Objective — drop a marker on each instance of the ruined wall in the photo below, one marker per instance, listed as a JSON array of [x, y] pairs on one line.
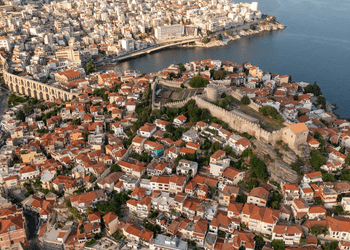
[[235, 122]]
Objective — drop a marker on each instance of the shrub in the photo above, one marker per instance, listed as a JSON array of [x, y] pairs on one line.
[[245, 100], [198, 82]]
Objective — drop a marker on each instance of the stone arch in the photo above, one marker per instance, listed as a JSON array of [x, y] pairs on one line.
[[47, 97], [21, 81], [23, 91], [65, 97], [46, 90], [11, 86], [11, 78], [17, 89], [35, 94], [16, 80], [41, 96], [34, 86], [40, 87], [53, 91], [29, 92]]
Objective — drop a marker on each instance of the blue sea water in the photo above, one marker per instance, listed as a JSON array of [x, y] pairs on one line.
[[315, 46]]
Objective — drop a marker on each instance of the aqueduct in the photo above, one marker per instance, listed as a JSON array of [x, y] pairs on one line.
[[33, 88]]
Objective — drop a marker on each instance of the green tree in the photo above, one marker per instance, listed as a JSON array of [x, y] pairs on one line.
[[272, 112], [317, 159], [259, 242], [215, 147], [278, 245], [328, 177], [115, 168], [90, 67], [245, 100], [198, 82], [316, 230], [258, 168], [21, 116], [347, 160], [330, 246]]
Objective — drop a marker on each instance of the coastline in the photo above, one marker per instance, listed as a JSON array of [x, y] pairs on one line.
[[260, 28]]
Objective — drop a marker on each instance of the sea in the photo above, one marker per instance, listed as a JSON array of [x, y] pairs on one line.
[[315, 46]]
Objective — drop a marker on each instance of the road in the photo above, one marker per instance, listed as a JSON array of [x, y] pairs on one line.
[[32, 223]]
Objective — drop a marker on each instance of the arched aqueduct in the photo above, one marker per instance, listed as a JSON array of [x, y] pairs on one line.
[[34, 89]]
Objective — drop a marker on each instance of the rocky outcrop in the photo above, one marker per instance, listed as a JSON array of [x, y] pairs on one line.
[[278, 168]]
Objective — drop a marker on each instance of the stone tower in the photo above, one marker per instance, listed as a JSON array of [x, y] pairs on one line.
[[212, 92]]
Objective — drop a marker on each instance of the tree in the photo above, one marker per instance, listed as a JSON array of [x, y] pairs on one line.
[[317, 159], [272, 112], [198, 82], [215, 147], [115, 168], [258, 168], [347, 160], [219, 75], [90, 67], [330, 246], [21, 116], [259, 242], [328, 177], [278, 245], [316, 230], [245, 100]]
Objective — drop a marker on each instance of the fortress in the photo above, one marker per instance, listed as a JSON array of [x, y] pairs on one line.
[[33, 88], [242, 123]]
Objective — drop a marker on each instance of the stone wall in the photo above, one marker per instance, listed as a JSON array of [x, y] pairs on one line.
[[171, 84], [235, 122]]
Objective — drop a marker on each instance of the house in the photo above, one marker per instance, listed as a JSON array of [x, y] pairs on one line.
[[345, 203], [300, 209], [83, 201], [134, 232], [238, 143], [109, 181], [117, 128], [111, 222], [168, 243], [138, 144], [201, 125], [218, 163], [314, 176], [13, 227], [161, 124], [306, 192], [290, 235], [186, 167], [29, 172], [290, 191], [229, 193], [147, 130], [190, 136], [260, 219], [231, 176], [179, 121], [258, 196], [137, 169]]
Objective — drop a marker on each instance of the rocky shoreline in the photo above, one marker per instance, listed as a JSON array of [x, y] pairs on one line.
[[238, 34]]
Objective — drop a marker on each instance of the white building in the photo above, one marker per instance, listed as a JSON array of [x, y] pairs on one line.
[[128, 44], [4, 43], [168, 32]]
